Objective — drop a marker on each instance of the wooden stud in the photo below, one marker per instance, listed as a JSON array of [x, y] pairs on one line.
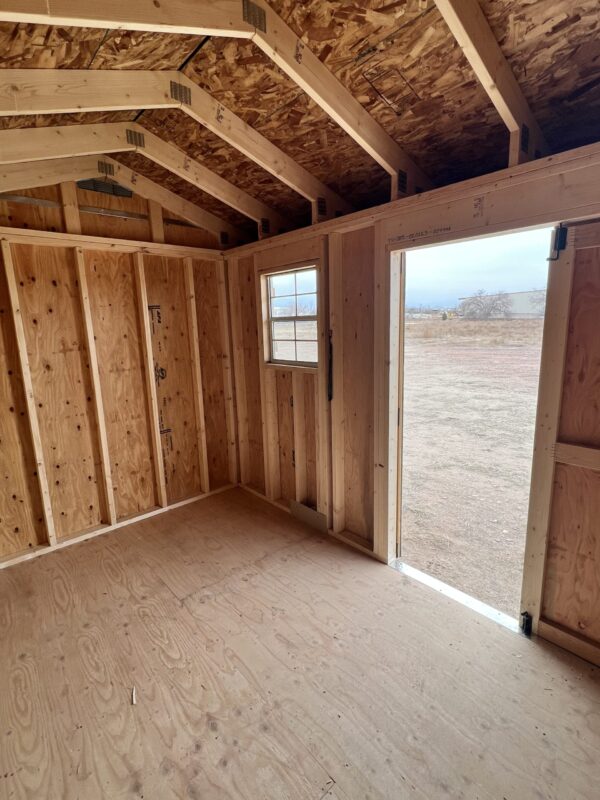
[[90, 343], [224, 320], [70, 206], [472, 31], [577, 456], [322, 405], [387, 315], [299, 435], [336, 322], [197, 373], [237, 343], [268, 396], [554, 347], [32, 417], [105, 244], [157, 227], [142, 298]]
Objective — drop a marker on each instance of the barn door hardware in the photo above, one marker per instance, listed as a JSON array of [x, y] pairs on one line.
[[560, 242], [526, 623]]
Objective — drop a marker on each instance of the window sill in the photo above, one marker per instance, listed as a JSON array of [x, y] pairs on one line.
[[291, 367]]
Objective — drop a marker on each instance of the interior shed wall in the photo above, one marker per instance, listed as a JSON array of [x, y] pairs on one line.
[[51, 218], [90, 363]]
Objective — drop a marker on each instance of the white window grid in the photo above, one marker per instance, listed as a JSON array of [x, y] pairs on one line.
[[293, 318]]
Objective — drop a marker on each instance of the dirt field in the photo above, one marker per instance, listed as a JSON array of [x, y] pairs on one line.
[[470, 400]]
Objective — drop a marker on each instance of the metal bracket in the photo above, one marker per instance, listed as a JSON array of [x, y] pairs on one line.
[[526, 623], [104, 168], [181, 93], [402, 181], [561, 235], [254, 15], [524, 138], [135, 137]]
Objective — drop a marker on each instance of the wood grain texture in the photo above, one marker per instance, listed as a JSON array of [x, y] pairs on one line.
[[62, 384], [212, 355], [250, 641], [358, 344], [167, 304], [21, 515], [310, 435], [580, 410], [246, 282], [41, 218], [113, 302], [571, 587], [285, 438]]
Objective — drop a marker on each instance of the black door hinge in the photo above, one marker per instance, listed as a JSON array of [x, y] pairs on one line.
[[526, 623], [561, 235]]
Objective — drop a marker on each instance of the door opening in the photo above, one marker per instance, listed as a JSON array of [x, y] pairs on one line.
[[473, 319]]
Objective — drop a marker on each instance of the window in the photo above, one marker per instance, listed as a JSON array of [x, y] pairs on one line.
[[292, 320]]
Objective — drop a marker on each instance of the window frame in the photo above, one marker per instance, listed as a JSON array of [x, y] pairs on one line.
[[267, 319]]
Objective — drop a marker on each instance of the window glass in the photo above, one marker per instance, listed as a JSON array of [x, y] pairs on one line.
[[293, 316]]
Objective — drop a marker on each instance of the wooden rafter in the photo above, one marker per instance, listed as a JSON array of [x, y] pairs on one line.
[[471, 30], [266, 29], [33, 144], [28, 175], [211, 17], [68, 91]]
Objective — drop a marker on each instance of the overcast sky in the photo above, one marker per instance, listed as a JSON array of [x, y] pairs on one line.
[[515, 262]]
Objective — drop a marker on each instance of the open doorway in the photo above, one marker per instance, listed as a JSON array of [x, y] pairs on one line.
[[473, 319]]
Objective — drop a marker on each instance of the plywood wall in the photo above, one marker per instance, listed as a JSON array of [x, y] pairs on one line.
[[21, 523], [357, 288], [115, 313], [171, 348], [108, 343], [213, 339], [60, 371], [283, 412]]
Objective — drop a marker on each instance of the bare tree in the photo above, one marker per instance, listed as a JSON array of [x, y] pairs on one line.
[[485, 306]]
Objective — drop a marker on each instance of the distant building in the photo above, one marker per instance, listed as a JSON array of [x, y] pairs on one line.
[[518, 305]]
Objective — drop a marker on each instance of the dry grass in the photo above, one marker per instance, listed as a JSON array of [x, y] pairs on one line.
[[484, 332]]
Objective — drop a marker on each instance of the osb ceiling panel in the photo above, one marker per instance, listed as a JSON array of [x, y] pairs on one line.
[[401, 62], [186, 190], [553, 47], [247, 82], [26, 46], [46, 120], [397, 57]]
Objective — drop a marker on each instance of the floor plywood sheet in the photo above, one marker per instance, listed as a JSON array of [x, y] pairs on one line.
[[271, 662]]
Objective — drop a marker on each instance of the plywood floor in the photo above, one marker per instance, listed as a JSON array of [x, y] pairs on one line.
[[271, 663]]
